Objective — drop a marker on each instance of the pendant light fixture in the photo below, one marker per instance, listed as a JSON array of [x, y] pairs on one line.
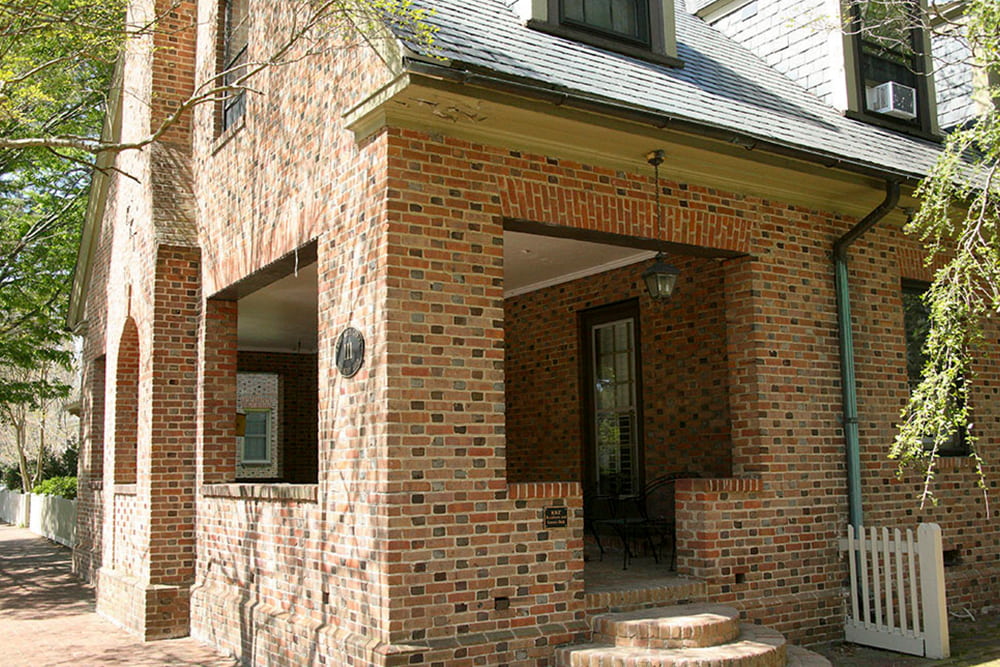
[[661, 277]]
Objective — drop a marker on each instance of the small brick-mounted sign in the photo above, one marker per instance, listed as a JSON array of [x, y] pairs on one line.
[[350, 352], [556, 517]]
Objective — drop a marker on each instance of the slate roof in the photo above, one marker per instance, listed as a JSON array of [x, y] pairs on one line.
[[722, 85]]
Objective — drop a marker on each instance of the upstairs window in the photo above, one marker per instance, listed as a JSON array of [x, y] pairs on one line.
[[621, 19], [235, 17], [890, 63], [642, 29]]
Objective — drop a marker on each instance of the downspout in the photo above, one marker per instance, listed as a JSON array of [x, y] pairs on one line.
[[848, 382]]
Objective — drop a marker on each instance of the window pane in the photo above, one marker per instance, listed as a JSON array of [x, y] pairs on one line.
[[236, 35], [255, 448], [888, 25], [573, 10], [624, 17], [915, 315], [256, 423], [916, 320], [621, 17], [257, 433]]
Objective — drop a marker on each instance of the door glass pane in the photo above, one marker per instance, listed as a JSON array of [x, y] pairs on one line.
[[615, 410]]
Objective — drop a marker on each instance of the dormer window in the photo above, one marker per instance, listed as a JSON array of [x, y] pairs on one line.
[[642, 29], [620, 19], [890, 63]]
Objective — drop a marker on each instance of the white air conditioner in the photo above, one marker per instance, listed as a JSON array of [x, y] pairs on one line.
[[893, 99]]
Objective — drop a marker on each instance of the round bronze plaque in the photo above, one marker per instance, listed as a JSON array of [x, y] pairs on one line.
[[350, 352]]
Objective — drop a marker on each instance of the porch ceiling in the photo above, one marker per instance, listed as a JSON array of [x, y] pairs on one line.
[[281, 317], [533, 261]]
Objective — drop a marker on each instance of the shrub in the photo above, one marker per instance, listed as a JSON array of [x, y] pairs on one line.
[[57, 486], [10, 476]]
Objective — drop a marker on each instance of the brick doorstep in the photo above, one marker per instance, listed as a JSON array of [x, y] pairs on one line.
[[699, 635]]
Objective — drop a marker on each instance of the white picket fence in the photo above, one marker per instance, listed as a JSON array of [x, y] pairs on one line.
[[48, 516], [897, 590]]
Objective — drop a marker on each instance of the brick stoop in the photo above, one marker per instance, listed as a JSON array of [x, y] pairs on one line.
[[697, 635]]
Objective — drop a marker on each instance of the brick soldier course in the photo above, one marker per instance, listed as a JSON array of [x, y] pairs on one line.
[[407, 526]]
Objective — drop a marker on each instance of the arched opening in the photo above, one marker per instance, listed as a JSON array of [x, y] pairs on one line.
[[127, 405]]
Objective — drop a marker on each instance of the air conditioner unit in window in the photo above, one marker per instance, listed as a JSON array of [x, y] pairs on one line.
[[893, 99]]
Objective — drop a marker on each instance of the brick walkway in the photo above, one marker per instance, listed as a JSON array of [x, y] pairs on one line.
[[47, 616]]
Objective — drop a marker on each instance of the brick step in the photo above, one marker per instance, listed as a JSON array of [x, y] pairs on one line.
[[756, 646], [682, 626]]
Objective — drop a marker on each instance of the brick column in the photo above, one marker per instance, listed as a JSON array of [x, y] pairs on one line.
[[217, 393], [745, 342], [170, 460]]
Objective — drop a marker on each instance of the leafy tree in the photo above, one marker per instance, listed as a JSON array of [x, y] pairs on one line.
[[959, 223], [56, 60]]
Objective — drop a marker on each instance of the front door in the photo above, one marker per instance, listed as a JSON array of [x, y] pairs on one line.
[[612, 400]]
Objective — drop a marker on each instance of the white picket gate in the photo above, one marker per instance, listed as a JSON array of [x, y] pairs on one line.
[[897, 590]]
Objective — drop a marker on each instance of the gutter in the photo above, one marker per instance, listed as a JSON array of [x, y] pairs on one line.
[[455, 73], [848, 380]]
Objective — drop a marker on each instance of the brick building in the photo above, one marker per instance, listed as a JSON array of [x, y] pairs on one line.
[[482, 216]]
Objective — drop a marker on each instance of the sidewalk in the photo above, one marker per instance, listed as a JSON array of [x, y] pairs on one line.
[[47, 616]]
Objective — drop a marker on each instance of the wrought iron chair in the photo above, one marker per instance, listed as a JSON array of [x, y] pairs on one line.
[[645, 518]]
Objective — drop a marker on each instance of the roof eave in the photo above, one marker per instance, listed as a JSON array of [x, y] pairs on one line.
[[457, 72]]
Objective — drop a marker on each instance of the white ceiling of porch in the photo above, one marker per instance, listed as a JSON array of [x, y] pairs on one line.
[[282, 316]]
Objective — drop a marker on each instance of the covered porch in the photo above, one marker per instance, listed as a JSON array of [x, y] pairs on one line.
[[624, 393]]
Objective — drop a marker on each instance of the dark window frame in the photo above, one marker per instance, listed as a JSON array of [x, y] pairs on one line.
[[654, 49], [642, 39], [588, 319], [958, 444], [233, 47], [918, 66]]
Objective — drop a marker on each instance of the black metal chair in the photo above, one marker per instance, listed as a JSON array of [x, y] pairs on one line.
[[645, 518]]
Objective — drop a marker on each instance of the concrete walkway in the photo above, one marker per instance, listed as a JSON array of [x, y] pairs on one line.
[[47, 616]]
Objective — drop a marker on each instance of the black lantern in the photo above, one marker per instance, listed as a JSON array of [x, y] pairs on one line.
[[660, 278]]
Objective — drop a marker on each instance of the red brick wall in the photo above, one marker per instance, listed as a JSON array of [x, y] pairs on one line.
[[683, 357], [298, 412]]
